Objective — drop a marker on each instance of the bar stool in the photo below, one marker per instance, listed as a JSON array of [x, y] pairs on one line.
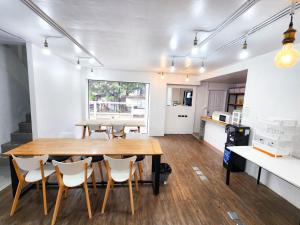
[[36, 170], [71, 175], [120, 170]]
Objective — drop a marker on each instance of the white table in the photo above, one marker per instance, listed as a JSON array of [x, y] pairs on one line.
[[133, 122], [286, 168]]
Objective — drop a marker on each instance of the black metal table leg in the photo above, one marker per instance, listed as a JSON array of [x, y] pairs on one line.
[[14, 177], [258, 176], [156, 175], [228, 176]]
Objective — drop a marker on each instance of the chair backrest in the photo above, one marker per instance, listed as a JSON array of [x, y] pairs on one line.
[[94, 127], [31, 163], [118, 128], [72, 168], [123, 165]]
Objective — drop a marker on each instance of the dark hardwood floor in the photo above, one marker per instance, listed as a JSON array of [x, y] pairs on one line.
[[184, 200]]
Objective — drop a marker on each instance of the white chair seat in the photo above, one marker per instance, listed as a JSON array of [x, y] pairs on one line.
[[76, 179], [35, 175], [121, 175]]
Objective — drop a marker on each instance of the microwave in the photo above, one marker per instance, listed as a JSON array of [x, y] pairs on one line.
[[221, 116]]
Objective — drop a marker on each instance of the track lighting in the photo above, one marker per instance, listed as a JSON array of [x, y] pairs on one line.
[[202, 68], [288, 56], [172, 68], [78, 66], [244, 52], [195, 47], [46, 49], [187, 78], [162, 75]]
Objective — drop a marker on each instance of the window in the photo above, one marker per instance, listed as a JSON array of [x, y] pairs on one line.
[[111, 99]]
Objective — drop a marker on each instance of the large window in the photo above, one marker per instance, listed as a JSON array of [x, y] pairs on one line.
[[111, 99]]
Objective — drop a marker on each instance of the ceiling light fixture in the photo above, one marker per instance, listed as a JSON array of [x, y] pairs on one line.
[[244, 52], [172, 68], [78, 66], [46, 49], [195, 47], [288, 56], [92, 70], [187, 78], [162, 75], [202, 68]]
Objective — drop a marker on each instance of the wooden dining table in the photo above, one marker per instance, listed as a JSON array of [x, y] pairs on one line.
[[91, 147]]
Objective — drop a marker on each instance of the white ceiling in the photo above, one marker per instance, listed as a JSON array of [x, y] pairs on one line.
[[137, 34], [239, 77]]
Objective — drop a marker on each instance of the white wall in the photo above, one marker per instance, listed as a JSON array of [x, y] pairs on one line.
[[157, 92], [55, 94], [14, 92], [269, 92]]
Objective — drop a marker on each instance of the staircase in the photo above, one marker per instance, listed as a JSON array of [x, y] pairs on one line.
[[22, 136]]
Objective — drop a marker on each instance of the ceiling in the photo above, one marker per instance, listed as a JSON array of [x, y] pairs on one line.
[[239, 77], [142, 35]]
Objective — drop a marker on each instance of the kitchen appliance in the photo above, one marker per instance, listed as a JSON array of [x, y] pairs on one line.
[[221, 116], [237, 135]]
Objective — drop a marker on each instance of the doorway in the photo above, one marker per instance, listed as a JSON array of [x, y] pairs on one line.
[[180, 109]]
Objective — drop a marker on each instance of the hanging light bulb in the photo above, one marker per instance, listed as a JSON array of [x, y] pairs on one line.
[[195, 47], [244, 52], [187, 78], [202, 68], [46, 49], [92, 70], [288, 56], [162, 75], [78, 66], [172, 68]]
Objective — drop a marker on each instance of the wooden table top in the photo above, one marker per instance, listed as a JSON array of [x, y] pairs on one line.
[[75, 147]]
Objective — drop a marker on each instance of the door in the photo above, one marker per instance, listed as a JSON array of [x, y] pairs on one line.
[[180, 109], [216, 101]]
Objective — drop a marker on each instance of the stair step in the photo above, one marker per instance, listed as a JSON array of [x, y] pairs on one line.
[[25, 127], [21, 137], [28, 117], [8, 146]]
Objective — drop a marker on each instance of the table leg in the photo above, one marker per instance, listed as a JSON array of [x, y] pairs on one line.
[[156, 175], [14, 177], [228, 175], [83, 132], [258, 176]]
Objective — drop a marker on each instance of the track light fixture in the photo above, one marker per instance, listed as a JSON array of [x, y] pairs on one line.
[[288, 56], [187, 78], [195, 47], [202, 68], [244, 52], [172, 68], [78, 66], [46, 49]]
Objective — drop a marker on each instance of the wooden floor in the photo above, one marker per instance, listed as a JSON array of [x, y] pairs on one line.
[[184, 200]]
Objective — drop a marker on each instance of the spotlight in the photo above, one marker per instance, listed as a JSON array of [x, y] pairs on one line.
[[187, 78], [202, 68], [244, 52], [46, 49], [78, 66], [162, 75], [172, 68], [195, 47]]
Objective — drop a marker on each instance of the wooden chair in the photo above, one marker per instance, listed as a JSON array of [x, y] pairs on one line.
[[71, 175], [118, 131], [36, 171], [120, 170], [97, 129]]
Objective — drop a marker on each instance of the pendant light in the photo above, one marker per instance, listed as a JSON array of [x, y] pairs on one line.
[[92, 70], [202, 68], [78, 66], [244, 52], [172, 68], [195, 47], [288, 56], [46, 49], [162, 75], [187, 78]]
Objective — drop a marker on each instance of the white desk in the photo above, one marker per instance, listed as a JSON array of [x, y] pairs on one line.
[[287, 168]]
